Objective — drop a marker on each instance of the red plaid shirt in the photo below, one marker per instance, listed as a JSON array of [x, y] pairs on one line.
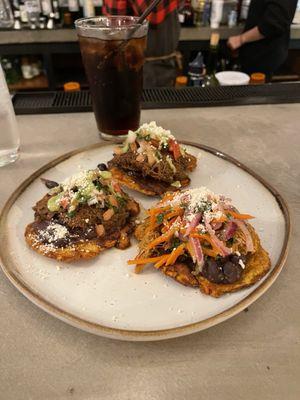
[[137, 7]]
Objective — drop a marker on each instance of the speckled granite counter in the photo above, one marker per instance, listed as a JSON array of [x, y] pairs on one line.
[[254, 355]]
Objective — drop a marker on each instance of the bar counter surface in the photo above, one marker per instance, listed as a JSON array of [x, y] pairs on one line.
[[254, 355], [69, 35]]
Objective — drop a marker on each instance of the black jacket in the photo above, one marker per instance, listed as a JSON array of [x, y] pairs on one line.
[[273, 19]]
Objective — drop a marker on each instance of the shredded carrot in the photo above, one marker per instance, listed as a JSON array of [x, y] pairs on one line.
[[208, 239], [155, 211], [221, 219], [148, 260], [239, 216], [209, 252], [162, 261], [167, 196], [175, 254], [163, 238], [174, 213]]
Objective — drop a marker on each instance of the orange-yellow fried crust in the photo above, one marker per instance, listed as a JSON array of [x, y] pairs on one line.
[[133, 183], [257, 265], [77, 251]]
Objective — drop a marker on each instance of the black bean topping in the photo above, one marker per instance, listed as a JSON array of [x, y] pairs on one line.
[[49, 184], [232, 272], [213, 271], [102, 167]]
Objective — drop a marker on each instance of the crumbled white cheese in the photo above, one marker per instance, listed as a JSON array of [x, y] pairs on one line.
[[242, 264], [155, 132], [54, 232], [81, 180], [200, 200]]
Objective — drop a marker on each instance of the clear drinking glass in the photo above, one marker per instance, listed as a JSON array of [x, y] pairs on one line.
[[114, 73], [9, 132]]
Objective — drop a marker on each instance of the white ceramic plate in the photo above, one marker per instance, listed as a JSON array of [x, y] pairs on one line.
[[104, 296]]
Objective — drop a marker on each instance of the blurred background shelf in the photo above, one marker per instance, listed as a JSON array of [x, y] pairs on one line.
[[37, 83]]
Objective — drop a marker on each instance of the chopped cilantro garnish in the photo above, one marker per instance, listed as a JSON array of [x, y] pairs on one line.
[[175, 243], [121, 200], [202, 207], [71, 214], [160, 218]]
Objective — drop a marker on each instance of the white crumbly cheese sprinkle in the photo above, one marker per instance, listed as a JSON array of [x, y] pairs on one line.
[[54, 232], [242, 264], [201, 200], [155, 132], [81, 179]]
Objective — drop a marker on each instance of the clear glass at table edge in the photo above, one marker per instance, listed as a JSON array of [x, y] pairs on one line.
[[114, 73], [9, 131]]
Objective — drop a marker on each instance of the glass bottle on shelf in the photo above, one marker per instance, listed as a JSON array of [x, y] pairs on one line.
[[196, 71], [33, 10], [17, 22], [212, 63], [56, 12], [46, 6], [73, 8], [88, 8], [6, 15], [199, 12], [186, 14], [23, 12], [244, 10], [206, 13]]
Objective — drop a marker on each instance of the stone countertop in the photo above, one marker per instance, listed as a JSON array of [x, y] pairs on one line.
[[69, 35], [254, 355]]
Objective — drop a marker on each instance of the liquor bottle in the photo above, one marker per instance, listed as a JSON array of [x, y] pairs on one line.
[[6, 14], [198, 12], [88, 8], [216, 13], [196, 71], [206, 13], [73, 8], [23, 12], [244, 10], [56, 12], [46, 6], [212, 63], [33, 10], [186, 14], [17, 23]]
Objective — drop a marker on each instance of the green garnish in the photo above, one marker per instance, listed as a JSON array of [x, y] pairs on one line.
[[122, 201], [160, 218], [105, 174], [175, 243], [71, 214], [54, 202]]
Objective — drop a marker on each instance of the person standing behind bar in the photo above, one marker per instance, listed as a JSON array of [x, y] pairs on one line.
[[265, 41], [162, 40]]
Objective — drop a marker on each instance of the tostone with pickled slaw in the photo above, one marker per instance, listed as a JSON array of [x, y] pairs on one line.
[[200, 239]]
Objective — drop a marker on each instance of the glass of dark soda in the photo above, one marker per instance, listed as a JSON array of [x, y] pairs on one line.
[[114, 71]]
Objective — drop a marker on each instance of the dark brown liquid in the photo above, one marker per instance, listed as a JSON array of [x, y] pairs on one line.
[[115, 82]]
